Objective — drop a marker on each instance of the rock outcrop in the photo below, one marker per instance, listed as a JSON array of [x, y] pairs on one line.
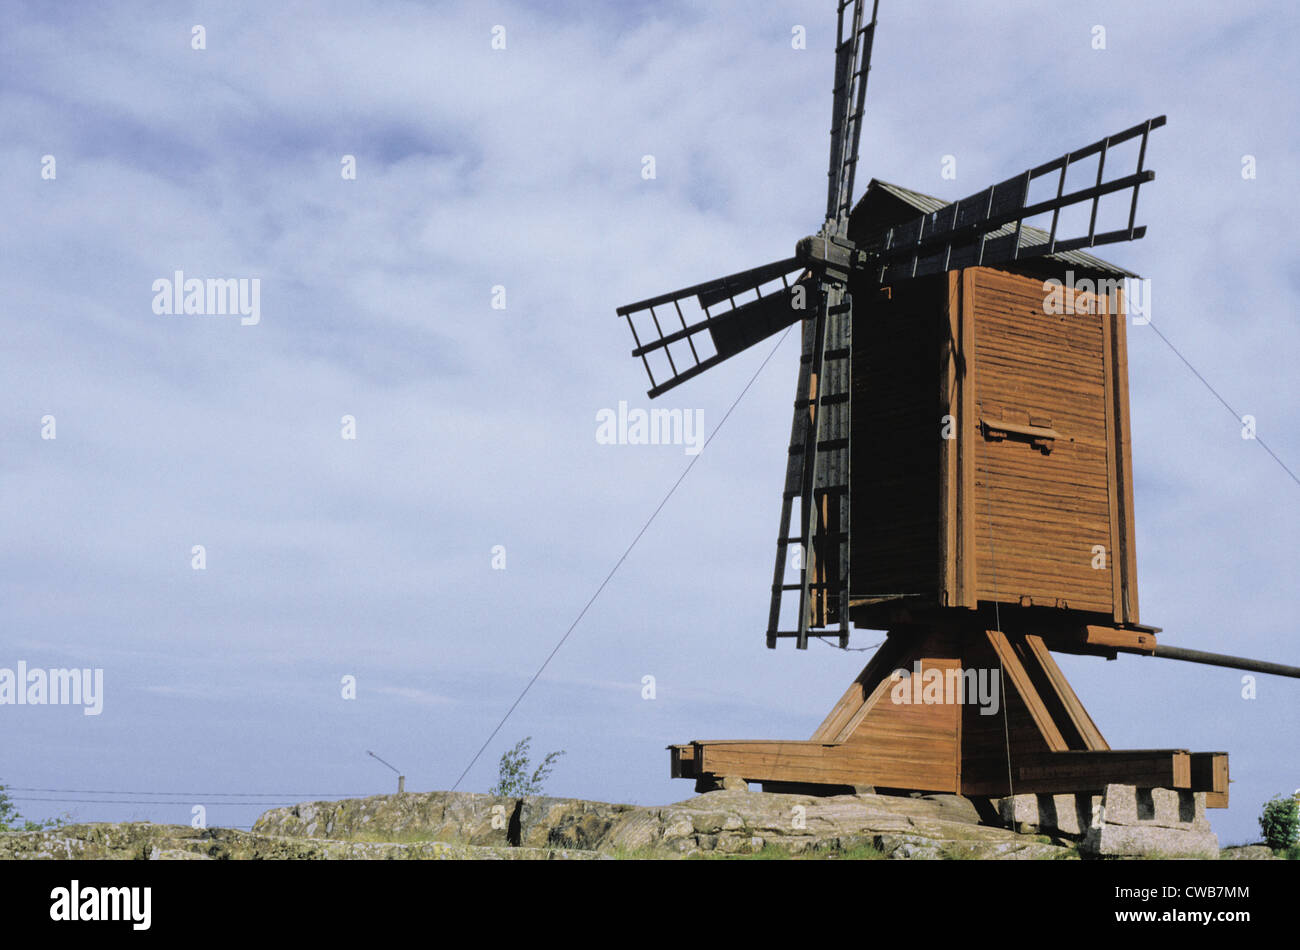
[[722, 822], [461, 817], [146, 841]]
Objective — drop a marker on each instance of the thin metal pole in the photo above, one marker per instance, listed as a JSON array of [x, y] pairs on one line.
[[1220, 659], [401, 779]]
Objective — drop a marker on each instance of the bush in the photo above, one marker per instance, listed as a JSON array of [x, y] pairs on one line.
[[10, 820], [1280, 822], [513, 779]]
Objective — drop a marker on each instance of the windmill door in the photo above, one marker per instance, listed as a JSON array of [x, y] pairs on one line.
[[1049, 497]]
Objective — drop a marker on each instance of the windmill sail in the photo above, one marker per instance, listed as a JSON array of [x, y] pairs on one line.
[[698, 327], [989, 227], [852, 63], [817, 472]]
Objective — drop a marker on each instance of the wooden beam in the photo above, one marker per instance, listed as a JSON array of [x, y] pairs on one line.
[[1070, 706], [1066, 772], [1114, 470], [959, 715], [1020, 680], [967, 436], [1000, 428], [949, 404], [843, 710], [894, 761], [784, 761], [881, 688], [1126, 641], [1125, 457], [1097, 639], [683, 761], [1210, 775], [880, 665]]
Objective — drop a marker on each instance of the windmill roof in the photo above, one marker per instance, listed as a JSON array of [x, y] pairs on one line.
[[873, 210]]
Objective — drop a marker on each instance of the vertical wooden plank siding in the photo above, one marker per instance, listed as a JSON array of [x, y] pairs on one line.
[[912, 745], [967, 441], [975, 518], [1119, 340], [949, 405], [896, 450], [1039, 516], [1114, 544]]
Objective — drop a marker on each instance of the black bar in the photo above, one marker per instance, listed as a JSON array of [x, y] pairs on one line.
[[719, 286], [1140, 129], [710, 321], [1220, 659], [971, 232], [691, 343], [662, 345], [684, 375]]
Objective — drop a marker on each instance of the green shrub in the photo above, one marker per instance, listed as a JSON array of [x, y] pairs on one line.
[[10, 820], [513, 778], [1280, 822]]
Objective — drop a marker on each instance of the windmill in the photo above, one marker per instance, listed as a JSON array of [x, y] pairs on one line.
[[959, 469]]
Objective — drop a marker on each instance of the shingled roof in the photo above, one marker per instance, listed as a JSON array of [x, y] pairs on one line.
[[884, 205]]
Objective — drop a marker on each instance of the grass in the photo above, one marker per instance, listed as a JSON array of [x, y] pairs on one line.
[[769, 852], [640, 854]]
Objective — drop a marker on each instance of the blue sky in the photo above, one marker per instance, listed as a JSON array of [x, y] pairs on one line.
[[476, 426]]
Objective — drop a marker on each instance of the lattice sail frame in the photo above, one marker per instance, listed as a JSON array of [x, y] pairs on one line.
[[989, 226]]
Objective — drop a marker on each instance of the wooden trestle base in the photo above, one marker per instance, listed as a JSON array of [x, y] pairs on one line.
[[989, 714]]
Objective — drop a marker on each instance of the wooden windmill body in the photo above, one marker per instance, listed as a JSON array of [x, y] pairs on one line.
[[959, 474], [992, 502], [991, 458]]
